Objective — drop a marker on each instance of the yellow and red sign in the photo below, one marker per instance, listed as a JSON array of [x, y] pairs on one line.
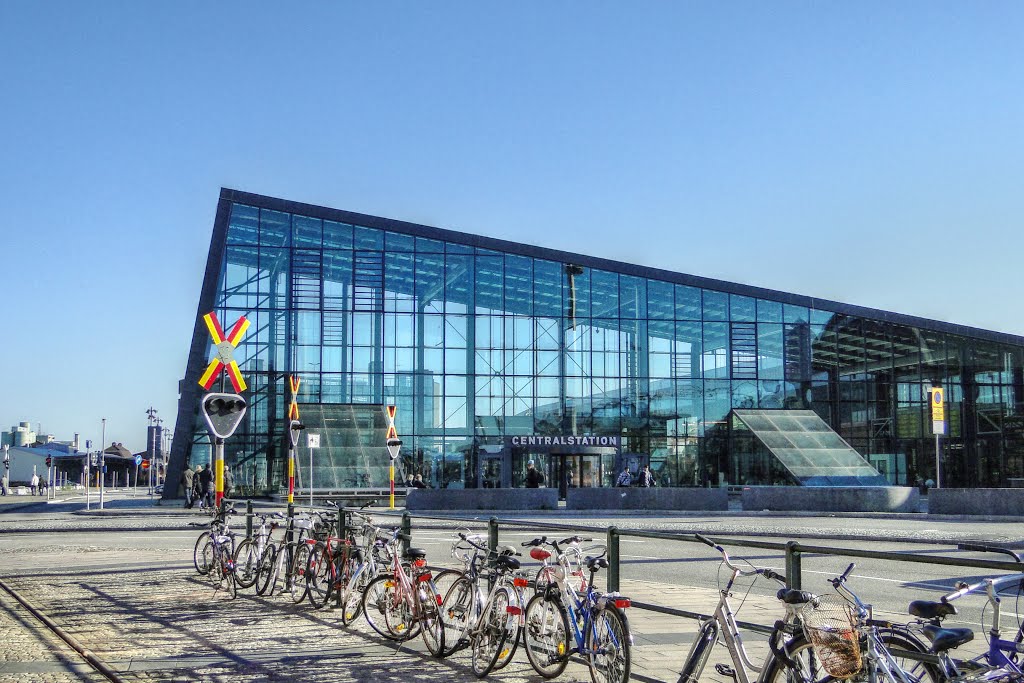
[[293, 408], [225, 352]]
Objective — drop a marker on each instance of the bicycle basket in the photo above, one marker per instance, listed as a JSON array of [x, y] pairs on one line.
[[831, 629]]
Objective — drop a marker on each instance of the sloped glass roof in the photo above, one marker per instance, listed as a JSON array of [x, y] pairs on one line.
[[807, 447]]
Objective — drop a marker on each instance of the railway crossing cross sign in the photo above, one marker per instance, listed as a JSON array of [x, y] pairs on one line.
[[393, 442], [225, 345]]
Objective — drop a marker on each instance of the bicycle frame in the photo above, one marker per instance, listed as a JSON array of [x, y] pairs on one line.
[[999, 653]]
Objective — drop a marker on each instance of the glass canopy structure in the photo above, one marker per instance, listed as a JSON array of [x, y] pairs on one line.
[[497, 353]]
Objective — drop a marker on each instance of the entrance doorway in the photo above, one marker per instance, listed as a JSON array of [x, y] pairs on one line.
[[572, 470]]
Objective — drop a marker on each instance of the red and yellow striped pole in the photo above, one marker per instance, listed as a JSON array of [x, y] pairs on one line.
[[219, 471], [293, 414]]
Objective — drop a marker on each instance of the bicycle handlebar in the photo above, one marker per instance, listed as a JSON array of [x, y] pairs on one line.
[[739, 571], [981, 548]]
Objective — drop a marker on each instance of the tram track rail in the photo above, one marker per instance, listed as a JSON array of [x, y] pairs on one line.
[[85, 653]]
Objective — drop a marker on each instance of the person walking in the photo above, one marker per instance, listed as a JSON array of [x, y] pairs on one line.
[[4, 484], [34, 483], [229, 482], [625, 478], [187, 484], [646, 479], [533, 476], [206, 487]]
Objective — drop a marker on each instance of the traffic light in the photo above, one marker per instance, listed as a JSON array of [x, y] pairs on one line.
[[223, 413], [49, 461]]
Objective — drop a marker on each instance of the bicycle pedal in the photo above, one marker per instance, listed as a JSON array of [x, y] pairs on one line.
[[725, 670]]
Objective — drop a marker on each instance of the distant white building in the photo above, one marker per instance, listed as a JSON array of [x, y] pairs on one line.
[[21, 435]]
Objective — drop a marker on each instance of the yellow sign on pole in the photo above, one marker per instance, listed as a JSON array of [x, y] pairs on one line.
[[938, 402]]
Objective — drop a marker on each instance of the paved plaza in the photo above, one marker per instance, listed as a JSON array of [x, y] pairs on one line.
[[122, 583]]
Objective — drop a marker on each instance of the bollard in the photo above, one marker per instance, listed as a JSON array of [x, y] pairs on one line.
[[793, 579], [248, 519], [407, 531], [613, 559], [492, 545]]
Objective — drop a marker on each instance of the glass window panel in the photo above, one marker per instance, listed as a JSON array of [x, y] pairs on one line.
[[547, 288], [632, 297], [660, 303], [796, 314], [396, 241], [399, 292], [456, 248], [688, 303], [307, 327], [275, 228], [362, 329], [433, 331], [604, 293], [490, 284], [548, 333], [369, 239], [429, 246], [430, 282], [547, 363], [306, 232], [455, 331], [819, 317], [455, 360], [580, 287], [742, 309], [769, 351], [715, 356], [433, 361], [337, 235], [337, 279], [243, 227], [716, 305], [333, 359], [769, 311], [365, 359], [744, 394], [307, 358], [518, 284], [458, 283]]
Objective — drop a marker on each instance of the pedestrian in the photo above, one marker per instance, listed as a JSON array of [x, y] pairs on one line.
[[229, 482], [34, 483], [408, 480], [534, 478], [187, 484], [625, 478], [42, 487], [206, 487], [3, 485], [418, 483], [646, 478]]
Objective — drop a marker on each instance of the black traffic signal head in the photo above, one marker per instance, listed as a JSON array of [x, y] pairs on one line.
[[223, 413]]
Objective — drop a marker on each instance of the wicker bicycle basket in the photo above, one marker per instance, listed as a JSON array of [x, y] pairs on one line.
[[831, 629]]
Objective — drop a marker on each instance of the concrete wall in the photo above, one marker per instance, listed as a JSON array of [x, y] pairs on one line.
[[482, 499], [825, 499], [658, 498], [976, 502]]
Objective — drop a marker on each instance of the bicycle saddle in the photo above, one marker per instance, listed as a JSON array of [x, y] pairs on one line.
[[416, 553], [595, 563], [926, 609], [792, 596], [947, 638], [507, 562]]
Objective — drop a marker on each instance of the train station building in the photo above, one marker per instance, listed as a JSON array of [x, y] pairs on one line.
[[498, 354]]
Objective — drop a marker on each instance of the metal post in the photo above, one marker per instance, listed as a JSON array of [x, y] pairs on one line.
[[88, 461], [291, 477], [343, 535], [289, 537], [613, 559], [391, 470], [248, 519], [938, 470], [218, 472], [407, 530], [492, 537], [135, 492], [793, 578], [103, 459], [310, 477]]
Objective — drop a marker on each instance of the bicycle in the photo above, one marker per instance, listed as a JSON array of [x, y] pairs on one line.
[[217, 555], [278, 562], [1001, 660], [319, 530], [405, 599], [596, 623], [368, 561], [249, 554], [217, 524], [489, 624], [841, 640]]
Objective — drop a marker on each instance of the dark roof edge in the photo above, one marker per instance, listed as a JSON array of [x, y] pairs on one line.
[[327, 213]]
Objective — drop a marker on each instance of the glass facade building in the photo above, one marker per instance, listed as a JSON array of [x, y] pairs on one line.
[[497, 353]]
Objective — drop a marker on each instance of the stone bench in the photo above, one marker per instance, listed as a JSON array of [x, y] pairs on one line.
[[657, 498], [831, 499], [482, 499]]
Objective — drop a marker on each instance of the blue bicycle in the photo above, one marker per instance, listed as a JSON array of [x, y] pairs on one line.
[[1002, 661], [594, 621]]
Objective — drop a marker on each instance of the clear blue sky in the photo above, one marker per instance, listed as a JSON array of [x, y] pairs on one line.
[[871, 153]]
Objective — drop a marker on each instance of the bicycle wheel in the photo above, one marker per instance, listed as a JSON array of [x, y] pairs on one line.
[[546, 636], [489, 636], [377, 598], [445, 579], [431, 627], [607, 645], [400, 618], [318, 576], [226, 572], [810, 670], [352, 591], [201, 563], [300, 563], [247, 561], [265, 572], [456, 614], [513, 629]]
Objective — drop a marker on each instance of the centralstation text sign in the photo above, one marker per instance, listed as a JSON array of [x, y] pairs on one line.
[[568, 441]]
